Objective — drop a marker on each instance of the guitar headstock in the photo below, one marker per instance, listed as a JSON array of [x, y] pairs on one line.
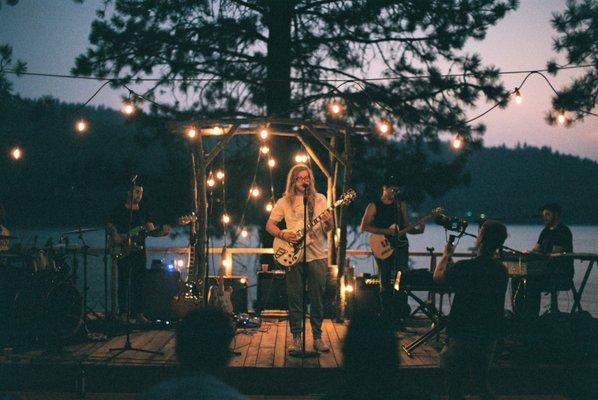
[[187, 219], [346, 198], [437, 211]]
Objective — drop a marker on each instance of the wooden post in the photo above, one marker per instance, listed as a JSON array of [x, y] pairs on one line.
[[202, 216], [342, 249]]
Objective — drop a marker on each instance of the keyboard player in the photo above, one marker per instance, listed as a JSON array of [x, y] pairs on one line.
[[555, 238]]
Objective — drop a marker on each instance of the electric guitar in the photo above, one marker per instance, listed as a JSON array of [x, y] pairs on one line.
[[289, 254], [129, 245], [219, 296], [383, 246], [188, 299]]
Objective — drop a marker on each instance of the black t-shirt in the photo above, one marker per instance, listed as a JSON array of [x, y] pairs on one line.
[[559, 236], [120, 216], [477, 311], [388, 214]]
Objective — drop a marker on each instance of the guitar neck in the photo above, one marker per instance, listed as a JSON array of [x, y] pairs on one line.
[[411, 226], [317, 220]]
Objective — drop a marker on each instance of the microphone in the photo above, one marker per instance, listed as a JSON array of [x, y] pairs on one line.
[[134, 178]]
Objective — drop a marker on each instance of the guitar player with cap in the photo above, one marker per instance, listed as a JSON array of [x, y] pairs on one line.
[[387, 216], [128, 226]]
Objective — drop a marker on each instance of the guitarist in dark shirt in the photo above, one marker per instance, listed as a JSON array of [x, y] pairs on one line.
[[128, 226], [387, 216]]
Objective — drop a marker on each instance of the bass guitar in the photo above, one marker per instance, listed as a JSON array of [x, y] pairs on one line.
[[383, 246], [289, 254], [188, 298]]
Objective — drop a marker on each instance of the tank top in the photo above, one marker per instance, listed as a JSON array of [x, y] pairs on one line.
[[388, 214]]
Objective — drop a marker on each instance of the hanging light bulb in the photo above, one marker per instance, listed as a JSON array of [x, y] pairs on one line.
[[225, 218], [180, 263], [16, 153], [81, 126], [243, 281], [457, 142], [269, 206], [220, 174], [349, 288], [217, 130], [265, 149], [244, 233], [518, 98], [128, 107], [384, 127], [225, 263], [191, 133], [561, 118], [271, 163], [255, 192], [211, 181], [301, 158], [335, 108], [264, 133]]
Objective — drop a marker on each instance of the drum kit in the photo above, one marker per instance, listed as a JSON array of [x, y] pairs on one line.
[[39, 299]]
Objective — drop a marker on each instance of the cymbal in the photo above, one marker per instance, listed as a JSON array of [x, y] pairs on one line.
[[80, 230]]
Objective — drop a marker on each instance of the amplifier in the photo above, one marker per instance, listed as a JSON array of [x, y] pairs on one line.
[[366, 297], [239, 296], [159, 287], [271, 291]]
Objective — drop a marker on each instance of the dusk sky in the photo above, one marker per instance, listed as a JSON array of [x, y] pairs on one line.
[[49, 34]]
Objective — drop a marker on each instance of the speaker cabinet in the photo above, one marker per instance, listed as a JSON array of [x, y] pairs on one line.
[[159, 287], [366, 297], [239, 296], [271, 291]]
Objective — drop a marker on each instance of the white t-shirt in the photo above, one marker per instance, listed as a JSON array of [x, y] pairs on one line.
[[293, 217]]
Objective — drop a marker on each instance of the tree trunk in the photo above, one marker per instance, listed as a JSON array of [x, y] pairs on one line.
[[278, 85]]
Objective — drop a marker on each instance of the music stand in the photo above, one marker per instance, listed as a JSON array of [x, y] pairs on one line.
[[303, 353]]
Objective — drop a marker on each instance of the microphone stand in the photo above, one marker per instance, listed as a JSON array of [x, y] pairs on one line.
[[127, 346], [303, 353]]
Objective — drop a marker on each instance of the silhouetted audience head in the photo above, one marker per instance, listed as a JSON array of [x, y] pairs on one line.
[[202, 340], [492, 236]]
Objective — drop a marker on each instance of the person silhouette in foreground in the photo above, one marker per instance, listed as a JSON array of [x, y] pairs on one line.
[[202, 349], [370, 360]]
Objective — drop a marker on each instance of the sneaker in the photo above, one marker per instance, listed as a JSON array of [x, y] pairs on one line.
[[320, 346], [296, 345]]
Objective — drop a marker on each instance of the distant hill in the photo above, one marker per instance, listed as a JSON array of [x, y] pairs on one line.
[[79, 180], [512, 184]]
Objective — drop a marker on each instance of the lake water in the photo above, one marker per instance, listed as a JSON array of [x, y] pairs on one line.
[[521, 237]]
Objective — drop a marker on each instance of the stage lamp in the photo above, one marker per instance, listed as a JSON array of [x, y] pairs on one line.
[[561, 118], [265, 149], [301, 158], [271, 163], [191, 133], [457, 143], [225, 218], [16, 153], [349, 288], [180, 263], [220, 175], [264, 133], [269, 206], [518, 98], [244, 233], [81, 126], [128, 107], [384, 127], [255, 192]]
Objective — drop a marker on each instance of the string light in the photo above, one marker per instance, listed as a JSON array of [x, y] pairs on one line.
[[16, 153], [269, 206], [457, 142], [264, 133], [243, 281], [255, 192], [225, 218], [349, 288], [211, 182], [191, 133], [81, 126], [384, 127], [335, 108], [301, 158], [271, 163], [561, 118], [518, 98], [217, 130], [225, 263], [128, 107], [244, 233], [265, 149], [180, 263], [220, 175]]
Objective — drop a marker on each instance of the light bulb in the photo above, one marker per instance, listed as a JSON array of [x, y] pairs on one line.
[[220, 175], [225, 218], [16, 153], [561, 118], [81, 126], [265, 149], [244, 233], [264, 133], [128, 108], [191, 133], [269, 207], [457, 143], [271, 163], [255, 192]]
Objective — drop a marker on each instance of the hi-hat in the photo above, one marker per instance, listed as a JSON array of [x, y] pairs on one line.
[[80, 230]]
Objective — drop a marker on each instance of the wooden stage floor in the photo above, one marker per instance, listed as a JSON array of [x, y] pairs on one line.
[[261, 365]]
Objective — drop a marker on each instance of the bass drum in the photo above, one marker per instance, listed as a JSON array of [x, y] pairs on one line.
[[46, 309]]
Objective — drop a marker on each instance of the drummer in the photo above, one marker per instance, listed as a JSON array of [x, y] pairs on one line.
[[4, 232]]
